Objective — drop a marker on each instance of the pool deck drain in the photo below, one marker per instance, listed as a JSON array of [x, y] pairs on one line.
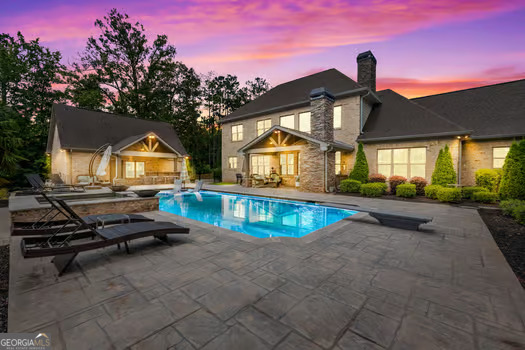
[[355, 284]]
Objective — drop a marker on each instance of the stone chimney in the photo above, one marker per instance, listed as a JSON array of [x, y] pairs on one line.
[[322, 114], [366, 69]]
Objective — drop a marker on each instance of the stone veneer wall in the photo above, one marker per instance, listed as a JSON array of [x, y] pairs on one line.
[[322, 118], [121, 205], [312, 169]]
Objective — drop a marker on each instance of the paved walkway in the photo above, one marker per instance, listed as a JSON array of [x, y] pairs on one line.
[[352, 285]]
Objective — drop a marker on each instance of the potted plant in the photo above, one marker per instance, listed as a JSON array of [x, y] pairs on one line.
[[297, 181]]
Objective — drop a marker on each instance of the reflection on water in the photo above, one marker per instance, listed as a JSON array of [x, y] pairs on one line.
[[256, 216]]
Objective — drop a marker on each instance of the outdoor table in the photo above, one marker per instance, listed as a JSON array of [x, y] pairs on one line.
[[102, 219]]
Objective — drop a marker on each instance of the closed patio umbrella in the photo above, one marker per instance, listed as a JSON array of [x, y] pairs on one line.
[[104, 162], [184, 171]]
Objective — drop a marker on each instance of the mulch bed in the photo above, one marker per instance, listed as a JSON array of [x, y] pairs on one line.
[[510, 237], [4, 286]]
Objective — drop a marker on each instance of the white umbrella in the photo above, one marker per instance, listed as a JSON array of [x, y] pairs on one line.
[[184, 171], [101, 171]]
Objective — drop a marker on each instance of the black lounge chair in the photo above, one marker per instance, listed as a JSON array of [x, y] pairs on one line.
[[46, 225], [38, 185], [65, 247]]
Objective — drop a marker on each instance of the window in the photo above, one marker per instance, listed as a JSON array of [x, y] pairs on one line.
[[232, 162], [338, 163], [304, 121], [237, 132], [263, 125], [134, 169], [288, 121], [498, 156], [287, 161], [337, 117], [260, 165], [407, 162]]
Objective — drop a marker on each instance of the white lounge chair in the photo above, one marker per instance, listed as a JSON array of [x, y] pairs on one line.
[[177, 186], [198, 186]]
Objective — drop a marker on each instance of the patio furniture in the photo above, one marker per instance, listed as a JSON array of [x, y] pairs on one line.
[[177, 187], [239, 178], [83, 180], [146, 193], [119, 188], [261, 181], [275, 178], [65, 248], [198, 186], [39, 185], [47, 225]]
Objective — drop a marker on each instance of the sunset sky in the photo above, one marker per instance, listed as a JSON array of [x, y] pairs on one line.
[[422, 47]]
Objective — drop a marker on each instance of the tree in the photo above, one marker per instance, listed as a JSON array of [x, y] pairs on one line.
[[512, 184], [444, 172], [360, 170], [10, 142], [85, 91]]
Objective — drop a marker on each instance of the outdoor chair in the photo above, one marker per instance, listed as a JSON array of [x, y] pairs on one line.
[[49, 225], [198, 186], [65, 247], [177, 187], [39, 185], [239, 178], [258, 180], [276, 179]]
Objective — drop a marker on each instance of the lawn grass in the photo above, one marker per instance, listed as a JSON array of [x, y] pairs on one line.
[[223, 183]]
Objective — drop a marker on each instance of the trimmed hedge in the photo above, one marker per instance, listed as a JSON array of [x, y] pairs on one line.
[[514, 208], [377, 178], [467, 192], [485, 197], [406, 190], [375, 189], [352, 186], [420, 183], [444, 172], [446, 194], [431, 191], [360, 170], [489, 179], [395, 181], [512, 184]]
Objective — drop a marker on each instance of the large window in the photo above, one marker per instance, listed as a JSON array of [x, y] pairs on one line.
[[237, 132], [263, 125], [337, 117], [304, 121], [407, 162], [338, 163], [134, 169], [260, 165], [287, 162], [498, 156], [232, 162], [288, 121]]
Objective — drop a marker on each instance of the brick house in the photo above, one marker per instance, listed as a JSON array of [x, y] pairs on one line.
[[143, 151], [311, 126]]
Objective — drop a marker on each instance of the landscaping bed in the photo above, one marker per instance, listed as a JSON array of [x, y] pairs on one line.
[[4, 286], [510, 237]]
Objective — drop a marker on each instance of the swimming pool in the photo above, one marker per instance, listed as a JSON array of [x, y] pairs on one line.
[[256, 216]]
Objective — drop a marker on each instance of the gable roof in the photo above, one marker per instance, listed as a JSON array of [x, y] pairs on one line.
[[400, 118], [84, 129], [296, 93], [492, 111], [335, 144]]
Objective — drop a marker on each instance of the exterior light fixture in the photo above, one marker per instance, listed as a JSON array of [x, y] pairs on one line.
[[187, 157], [466, 137], [62, 150], [459, 137], [151, 137]]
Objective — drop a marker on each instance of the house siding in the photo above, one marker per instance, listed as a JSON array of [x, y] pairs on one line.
[[478, 155]]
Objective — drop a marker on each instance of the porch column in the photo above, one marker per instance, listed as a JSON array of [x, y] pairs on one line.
[[245, 171]]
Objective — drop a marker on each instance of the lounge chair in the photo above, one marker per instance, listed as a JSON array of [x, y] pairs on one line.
[[198, 186], [38, 185], [65, 247], [177, 186], [47, 225]]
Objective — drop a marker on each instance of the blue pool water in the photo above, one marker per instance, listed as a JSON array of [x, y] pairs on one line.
[[256, 216]]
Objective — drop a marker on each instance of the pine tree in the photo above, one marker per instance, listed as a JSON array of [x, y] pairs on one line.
[[513, 180], [444, 172], [360, 170]]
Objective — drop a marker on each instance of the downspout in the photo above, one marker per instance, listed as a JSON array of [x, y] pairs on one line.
[[326, 169], [71, 166], [361, 126], [460, 155]]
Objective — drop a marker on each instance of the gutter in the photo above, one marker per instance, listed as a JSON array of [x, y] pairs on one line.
[[411, 137], [498, 136]]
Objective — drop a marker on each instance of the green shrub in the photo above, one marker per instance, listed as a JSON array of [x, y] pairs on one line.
[[514, 208], [445, 194], [467, 192], [420, 183], [376, 189], [512, 184], [4, 193], [488, 178], [217, 174], [350, 186], [360, 170], [395, 181], [485, 197], [406, 190], [444, 172], [431, 191], [377, 178]]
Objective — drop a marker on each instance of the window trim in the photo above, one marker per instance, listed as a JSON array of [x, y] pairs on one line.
[[135, 175], [494, 158], [341, 118], [408, 164], [237, 133]]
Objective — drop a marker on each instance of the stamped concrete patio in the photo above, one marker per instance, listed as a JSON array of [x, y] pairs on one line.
[[352, 285]]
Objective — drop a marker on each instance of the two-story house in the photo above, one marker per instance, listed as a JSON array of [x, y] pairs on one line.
[[311, 126]]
